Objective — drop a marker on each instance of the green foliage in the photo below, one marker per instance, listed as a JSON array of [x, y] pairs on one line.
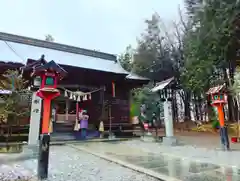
[[148, 59], [134, 109], [208, 43], [215, 123], [49, 38], [145, 96], [213, 114], [11, 106], [125, 59], [235, 88], [192, 6], [151, 58], [199, 52], [10, 79]]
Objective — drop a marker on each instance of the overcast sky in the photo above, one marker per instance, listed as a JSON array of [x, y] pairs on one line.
[[105, 25]]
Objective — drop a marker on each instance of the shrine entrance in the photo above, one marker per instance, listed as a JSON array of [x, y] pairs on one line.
[[67, 108]]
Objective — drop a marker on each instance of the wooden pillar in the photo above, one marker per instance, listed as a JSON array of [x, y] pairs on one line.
[[67, 109], [77, 110]]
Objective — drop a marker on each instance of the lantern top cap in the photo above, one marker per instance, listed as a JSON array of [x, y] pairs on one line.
[[217, 89], [50, 66], [163, 85]]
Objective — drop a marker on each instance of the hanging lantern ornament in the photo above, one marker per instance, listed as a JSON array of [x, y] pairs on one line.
[[65, 94], [71, 96], [78, 98], [85, 97], [89, 96], [74, 97]]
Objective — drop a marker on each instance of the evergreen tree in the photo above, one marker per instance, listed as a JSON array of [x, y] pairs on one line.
[[49, 38], [125, 59], [211, 45]]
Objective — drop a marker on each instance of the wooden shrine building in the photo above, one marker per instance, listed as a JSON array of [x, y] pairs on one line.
[[89, 72]]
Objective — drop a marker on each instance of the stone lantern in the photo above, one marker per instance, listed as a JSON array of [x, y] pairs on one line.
[[166, 90]]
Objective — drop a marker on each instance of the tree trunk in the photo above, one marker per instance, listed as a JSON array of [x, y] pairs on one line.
[[175, 107], [229, 81], [196, 107], [231, 116], [200, 106], [187, 113]]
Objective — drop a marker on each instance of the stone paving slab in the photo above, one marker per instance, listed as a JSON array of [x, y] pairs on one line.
[[205, 155], [114, 147], [153, 158]]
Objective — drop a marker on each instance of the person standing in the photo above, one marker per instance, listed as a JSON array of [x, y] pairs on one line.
[[84, 124]]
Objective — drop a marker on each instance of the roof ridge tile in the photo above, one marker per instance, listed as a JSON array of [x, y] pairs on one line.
[[56, 46]]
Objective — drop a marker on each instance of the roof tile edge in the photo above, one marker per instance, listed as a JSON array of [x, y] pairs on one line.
[[55, 46]]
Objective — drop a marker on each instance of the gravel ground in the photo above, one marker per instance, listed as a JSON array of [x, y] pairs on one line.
[[69, 164]]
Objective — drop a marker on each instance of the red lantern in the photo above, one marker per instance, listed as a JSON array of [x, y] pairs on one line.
[[145, 126], [234, 139], [49, 73]]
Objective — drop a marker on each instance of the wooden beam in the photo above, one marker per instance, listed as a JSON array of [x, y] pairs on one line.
[[76, 86]]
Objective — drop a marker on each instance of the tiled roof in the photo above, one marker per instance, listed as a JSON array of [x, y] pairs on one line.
[[19, 49], [16, 48], [56, 46]]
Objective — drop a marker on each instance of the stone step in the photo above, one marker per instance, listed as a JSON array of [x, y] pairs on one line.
[[63, 127], [62, 137]]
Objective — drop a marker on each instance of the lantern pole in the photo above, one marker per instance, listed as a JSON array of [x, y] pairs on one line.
[[50, 74]]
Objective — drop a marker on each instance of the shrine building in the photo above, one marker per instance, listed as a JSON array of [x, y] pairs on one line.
[[92, 77]]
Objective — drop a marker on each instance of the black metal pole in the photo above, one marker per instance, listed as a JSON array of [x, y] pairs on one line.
[[224, 138], [43, 156]]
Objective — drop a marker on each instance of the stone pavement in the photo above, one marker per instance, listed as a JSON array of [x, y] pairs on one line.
[[69, 164], [200, 139], [190, 152], [203, 140], [186, 163]]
